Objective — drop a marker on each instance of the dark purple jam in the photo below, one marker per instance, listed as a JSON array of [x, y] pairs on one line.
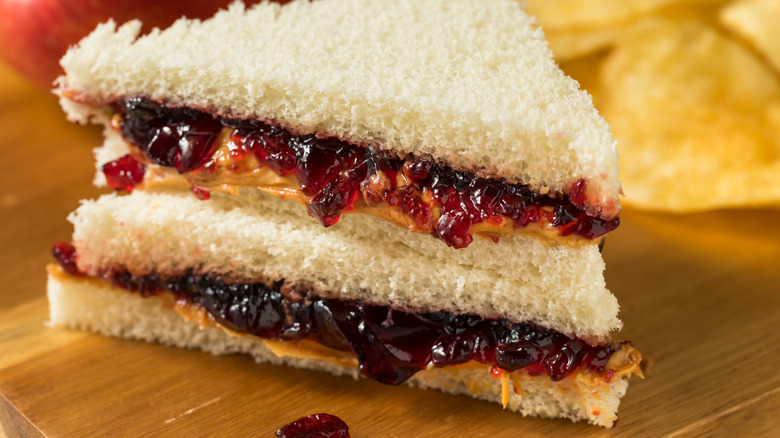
[[65, 254], [124, 173], [174, 137], [390, 345], [315, 426], [337, 176]]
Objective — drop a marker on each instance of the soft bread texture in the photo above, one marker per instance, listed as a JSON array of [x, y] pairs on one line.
[[95, 306], [470, 83], [258, 236]]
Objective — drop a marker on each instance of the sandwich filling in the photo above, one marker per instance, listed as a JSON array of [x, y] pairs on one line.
[[390, 345], [331, 176]]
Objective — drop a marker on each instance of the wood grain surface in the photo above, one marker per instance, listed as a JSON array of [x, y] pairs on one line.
[[699, 294]]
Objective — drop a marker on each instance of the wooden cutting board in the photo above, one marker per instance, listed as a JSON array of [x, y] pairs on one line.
[[700, 297]]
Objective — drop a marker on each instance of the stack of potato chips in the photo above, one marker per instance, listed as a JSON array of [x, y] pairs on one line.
[[691, 89]]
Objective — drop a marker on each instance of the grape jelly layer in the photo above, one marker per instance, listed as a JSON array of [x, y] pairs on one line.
[[336, 176], [390, 345]]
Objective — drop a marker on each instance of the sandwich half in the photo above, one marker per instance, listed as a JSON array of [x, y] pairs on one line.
[[410, 191]]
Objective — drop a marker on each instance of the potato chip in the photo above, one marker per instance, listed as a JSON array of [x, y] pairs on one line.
[[757, 21], [697, 119], [706, 11], [571, 15], [571, 45]]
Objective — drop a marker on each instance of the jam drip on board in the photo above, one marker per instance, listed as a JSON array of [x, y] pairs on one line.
[[391, 345], [336, 176], [315, 426]]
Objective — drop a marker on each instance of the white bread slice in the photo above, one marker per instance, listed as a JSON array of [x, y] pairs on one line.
[[468, 82], [96, 306], [258, 236]]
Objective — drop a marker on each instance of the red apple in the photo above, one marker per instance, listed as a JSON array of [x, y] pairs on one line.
[[34, 34]]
